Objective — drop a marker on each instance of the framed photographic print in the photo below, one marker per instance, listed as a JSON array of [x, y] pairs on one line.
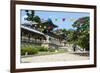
[[52, 36]]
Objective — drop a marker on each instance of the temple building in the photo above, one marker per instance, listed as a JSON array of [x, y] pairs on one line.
[[31, 33]]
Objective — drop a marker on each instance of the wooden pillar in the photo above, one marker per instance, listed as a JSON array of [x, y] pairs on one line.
[[28, 37]]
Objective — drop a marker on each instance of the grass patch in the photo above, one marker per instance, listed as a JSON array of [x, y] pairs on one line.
[[39, 50], [28, 50], [31, 49]]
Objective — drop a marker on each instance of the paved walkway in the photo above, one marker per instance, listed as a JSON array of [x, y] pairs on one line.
[[54, 58]]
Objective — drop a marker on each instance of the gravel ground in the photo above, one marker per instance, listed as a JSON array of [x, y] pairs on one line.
[[53, 58]]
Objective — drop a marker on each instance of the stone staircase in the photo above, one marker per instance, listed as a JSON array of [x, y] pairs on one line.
[[79, 51]]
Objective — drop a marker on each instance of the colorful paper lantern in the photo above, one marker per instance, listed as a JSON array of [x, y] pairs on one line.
[[40, 26], [56, 19], [72, 19], [49, 27], [63, 19], [44, 27]]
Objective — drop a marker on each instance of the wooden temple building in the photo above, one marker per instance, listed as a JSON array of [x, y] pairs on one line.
[[31, 33]]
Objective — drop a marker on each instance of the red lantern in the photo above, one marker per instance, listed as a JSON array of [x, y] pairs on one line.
[[49, 27]]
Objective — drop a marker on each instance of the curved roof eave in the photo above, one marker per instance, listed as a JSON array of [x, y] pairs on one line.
[[32, 30]]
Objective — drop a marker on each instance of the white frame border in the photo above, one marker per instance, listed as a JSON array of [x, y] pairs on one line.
[[52, 64]]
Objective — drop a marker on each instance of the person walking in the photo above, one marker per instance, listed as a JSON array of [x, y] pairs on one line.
[[74, 47]]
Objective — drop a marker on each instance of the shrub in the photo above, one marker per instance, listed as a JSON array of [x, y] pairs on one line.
[[51, 50], [29, 50], [42, 49]]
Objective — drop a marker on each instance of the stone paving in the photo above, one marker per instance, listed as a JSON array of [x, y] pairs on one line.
[[53, 58]]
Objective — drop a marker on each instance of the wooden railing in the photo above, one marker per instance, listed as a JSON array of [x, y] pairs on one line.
[[32, 40]]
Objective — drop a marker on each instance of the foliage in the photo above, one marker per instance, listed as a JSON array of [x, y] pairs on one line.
[[30, 14], [37, 19], [81, 34], [43, 26], [51, 50], [28, 50], [31, 50], [70, 36], [41, 49]]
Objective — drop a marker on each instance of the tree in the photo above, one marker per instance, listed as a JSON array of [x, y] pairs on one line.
[[30, 15], [81, 34], [37, 19]]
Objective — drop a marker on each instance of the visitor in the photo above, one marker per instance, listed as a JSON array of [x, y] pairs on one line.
[[74, 47]]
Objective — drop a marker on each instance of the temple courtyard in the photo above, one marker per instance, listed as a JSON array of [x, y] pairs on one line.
[[54, 57]]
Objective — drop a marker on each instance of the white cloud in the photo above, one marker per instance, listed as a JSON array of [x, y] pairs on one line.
[[23, 19]]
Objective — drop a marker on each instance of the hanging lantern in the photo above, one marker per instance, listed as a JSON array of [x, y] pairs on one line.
[[49, 27], [63, 19], [56, 19], [44, 27], [72, 19], [40, 26]]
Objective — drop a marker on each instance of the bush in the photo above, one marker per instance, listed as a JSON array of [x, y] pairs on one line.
[[42, 49], [29, 50], [51, 50]]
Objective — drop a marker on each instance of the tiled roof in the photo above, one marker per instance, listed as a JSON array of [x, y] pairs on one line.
[[32, 30]]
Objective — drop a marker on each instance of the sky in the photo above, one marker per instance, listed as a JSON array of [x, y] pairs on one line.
[[57, 17]]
